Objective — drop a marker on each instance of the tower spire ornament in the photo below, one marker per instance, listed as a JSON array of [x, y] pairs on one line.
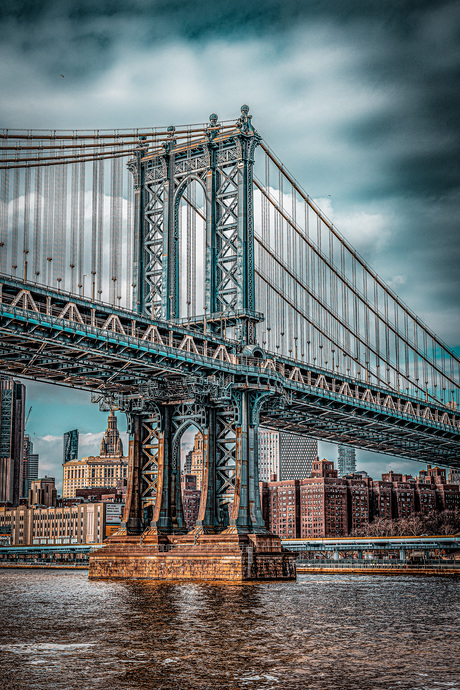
[[111, 444]]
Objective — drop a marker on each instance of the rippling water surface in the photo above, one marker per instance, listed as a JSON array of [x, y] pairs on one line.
[[60, 630]]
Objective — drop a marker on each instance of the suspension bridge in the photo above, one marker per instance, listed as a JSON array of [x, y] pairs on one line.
[[199, 284]]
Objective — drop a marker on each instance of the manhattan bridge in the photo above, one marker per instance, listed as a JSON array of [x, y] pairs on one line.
[[184, 277]]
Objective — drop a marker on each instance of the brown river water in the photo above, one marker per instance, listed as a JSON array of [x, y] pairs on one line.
[[59, 630]]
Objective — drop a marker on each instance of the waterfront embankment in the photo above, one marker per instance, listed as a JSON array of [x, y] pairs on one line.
[[439, 568]]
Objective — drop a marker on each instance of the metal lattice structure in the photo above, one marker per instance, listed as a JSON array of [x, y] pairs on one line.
[[200, 285]]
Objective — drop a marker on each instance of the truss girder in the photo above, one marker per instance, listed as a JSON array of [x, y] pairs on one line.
[[36, 343]]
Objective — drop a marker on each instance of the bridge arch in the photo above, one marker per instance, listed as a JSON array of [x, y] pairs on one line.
[[191, 210], [192, 464]]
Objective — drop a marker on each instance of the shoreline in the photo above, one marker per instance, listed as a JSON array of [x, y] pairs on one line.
[[380, 570], [40, 567]]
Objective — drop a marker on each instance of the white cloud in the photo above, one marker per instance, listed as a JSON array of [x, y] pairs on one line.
[[366, 232]]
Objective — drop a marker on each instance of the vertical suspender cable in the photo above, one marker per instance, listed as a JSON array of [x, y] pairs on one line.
[[100, 229], [57, 190], [94, 214], [37, 221], [193, 249], [115, 235], [26, 221], [112, 239], [81, 225], [61, 229], [129, 240], [5, 197], [187, 278], [15, 222], [46, 198], [74, 208]]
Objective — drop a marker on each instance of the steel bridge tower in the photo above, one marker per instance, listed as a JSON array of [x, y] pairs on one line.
[[223, 166]]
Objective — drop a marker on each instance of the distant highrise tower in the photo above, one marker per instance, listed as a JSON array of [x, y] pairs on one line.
[[12, 404], [197, 460], [111, 445], [70, 445], [346, 460], [30, 466], [101, 471], [269, 454], [287, 455], [297, 453]]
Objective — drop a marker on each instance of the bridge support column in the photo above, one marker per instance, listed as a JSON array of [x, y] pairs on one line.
[[247, 511], [168, 516], [132, 518], [402, 554], [244, 550], [208, 515]]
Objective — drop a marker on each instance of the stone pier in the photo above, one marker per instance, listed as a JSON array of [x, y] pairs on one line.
[[228, 556]]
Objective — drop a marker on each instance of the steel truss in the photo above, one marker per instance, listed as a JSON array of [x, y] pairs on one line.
[[56, 337], [221, 163]]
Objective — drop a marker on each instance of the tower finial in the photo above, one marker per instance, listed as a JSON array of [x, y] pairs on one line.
[[244, 121]]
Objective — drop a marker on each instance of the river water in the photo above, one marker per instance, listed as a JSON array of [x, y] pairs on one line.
[[60, 630]]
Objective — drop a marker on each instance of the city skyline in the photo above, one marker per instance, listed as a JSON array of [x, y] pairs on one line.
[[93, 424]]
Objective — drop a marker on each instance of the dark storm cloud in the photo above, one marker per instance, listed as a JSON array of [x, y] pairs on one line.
[[364, 95]]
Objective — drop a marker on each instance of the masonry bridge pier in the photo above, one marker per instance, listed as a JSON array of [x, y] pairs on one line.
[[213, 294]]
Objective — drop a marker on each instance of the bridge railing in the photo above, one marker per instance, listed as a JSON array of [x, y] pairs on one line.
[[374, 563]]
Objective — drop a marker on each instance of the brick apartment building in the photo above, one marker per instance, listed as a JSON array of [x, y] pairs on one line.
[[325, 505], [190, 499], [312, 507]]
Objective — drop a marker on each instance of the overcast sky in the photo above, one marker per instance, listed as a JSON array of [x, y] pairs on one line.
[[359, 99]]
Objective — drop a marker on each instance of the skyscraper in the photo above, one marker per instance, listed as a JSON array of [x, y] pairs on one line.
[[269, 454], [29, 467], [12, 405], [346, 460], [70, 445], [111, 444], [197, 460], [287, 455], [102, 471], [297, 453]]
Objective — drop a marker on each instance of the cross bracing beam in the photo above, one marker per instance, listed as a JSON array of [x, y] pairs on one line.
[[75, 349]]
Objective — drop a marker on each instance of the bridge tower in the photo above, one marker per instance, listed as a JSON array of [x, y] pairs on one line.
[[227, 415]]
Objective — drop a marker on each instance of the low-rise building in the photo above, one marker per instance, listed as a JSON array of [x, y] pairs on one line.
[[80, 523], [323, 502], [43, 492], [454, 475], [280, 507], [381, 500]]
